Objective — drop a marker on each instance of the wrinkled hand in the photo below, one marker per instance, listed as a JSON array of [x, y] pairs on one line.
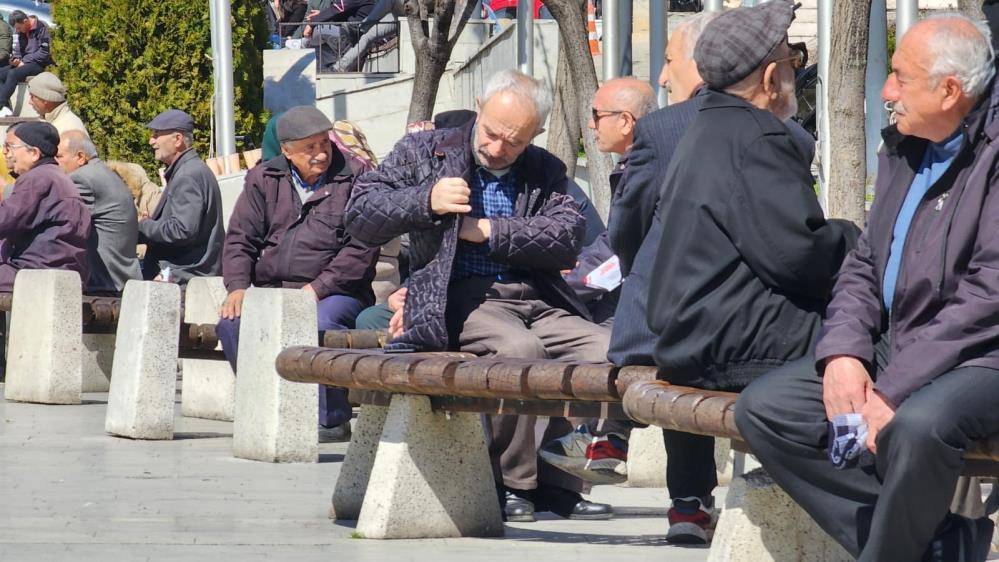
[[311, 291], [396, 324], [878, 413], [14, 63], [307, 32], [475, 230], [450, 195], [232, 308], [397, 299], [845, 385]]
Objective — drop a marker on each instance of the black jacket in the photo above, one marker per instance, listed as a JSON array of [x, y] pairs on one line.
[[746, 260]]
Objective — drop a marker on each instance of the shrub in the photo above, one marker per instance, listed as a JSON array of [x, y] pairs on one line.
[[124, 61]]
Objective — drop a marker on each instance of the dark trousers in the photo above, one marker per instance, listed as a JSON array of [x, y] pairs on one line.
[[336, 312], [889, 510], [9, 78]]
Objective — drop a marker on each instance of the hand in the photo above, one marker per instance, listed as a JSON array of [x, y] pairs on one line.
[[14, 63], [396, 324], [307, 32], [475, 230], [450, 195], [143, 216], [311, 291], [844, 385], [878, 413], [397, 299], [311, 14], [232, 308]]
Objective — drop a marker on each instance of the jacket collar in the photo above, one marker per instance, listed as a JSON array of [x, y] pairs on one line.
[[281, 166], [57, 112], [188, 154]]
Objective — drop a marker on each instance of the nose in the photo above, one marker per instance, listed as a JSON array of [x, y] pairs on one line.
[[152, 141], [890, 90], [664, 76], [591, 124]]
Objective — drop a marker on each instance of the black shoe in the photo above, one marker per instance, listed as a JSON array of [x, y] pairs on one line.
[[569, 504], [517, 508], [337, 434], [960, 539]]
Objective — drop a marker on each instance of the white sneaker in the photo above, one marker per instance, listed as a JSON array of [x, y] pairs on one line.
[[6, 112]]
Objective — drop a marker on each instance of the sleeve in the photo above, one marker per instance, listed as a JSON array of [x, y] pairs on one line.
[[244, 238], [590, 258], [339, 10], [86, 192], [350, 272], [41, 54], [635, 205], [182, 212], [548, 241], [6, 41], [18, 212], [797, 251], [594, 224]]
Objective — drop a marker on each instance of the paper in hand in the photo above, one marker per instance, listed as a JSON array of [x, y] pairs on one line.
[[607, 276]]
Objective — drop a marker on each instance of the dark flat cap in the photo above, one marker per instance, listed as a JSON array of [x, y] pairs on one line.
[[734, 44], [172, 120], [300, 122], [41, 135]]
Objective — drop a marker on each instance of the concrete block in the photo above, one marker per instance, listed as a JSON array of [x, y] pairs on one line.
[[144, 378], [209, 385], [431, 477], [98, 356], [646, 458], [45, 350], [275, 419], [762, 523], [348, 495]]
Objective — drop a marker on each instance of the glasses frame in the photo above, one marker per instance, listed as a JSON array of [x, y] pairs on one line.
[[596, 113]]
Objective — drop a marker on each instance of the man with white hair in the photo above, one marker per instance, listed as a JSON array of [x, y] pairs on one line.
[[905, 374], [490, 230]]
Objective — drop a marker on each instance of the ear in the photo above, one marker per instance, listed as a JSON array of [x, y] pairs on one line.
[[770, 86], [952, 92], [478, 104], [627, 123]]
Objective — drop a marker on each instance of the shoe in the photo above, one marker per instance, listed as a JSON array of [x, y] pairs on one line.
[[517, 508], [606, 460], [6, 112], [690, 522], [568, 452], [337, 434], [959, 539], [569, 504]]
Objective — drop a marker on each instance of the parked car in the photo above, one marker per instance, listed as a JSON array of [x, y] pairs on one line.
[[37, 8], [508, 8]]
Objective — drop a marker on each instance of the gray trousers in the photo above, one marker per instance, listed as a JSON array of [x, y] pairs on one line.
[[510, 320], [888, 511]]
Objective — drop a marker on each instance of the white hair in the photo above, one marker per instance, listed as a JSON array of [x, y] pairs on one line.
[[692, 28], [188, 138], [523, 86], [968, 56], [79, 141]]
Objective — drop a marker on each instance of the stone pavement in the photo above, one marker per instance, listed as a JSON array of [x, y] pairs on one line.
[[70, 491]]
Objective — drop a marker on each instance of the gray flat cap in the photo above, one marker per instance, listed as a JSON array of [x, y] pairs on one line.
[[734, 44], [48, 87], [300, 122], [172, 120]]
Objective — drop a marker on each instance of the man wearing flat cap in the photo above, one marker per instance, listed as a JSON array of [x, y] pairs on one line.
[[47, 96], [287, 230], [184, 234], [746, 255], [43, 223]]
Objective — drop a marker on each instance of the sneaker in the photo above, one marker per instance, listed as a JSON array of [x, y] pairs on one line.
[[690, 522], [606, 460], [569, 451], [6, 112], [336, 434]]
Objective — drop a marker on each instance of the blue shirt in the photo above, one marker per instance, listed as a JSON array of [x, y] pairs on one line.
[[937, 159], [305, 190], [491, 197]]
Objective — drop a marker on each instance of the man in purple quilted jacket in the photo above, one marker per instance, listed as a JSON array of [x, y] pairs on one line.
[[490, 228]]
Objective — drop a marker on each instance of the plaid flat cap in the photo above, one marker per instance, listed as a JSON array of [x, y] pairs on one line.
[[734, 44]]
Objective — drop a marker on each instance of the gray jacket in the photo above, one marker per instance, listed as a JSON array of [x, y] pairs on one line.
[[185, 230], [111, 257], [6, 42]]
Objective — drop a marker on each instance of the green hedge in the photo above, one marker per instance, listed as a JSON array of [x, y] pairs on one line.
[[124, 61]]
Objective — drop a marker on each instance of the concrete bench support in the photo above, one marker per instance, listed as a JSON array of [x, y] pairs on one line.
[[431, 477], [45, 351], [98, 355], [275, 419], [209, 385], [144, 379], [762, 523], [348, 495], [647, 459]]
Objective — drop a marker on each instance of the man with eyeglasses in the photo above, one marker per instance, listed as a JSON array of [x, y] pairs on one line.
[[287, 230], [184, 234]]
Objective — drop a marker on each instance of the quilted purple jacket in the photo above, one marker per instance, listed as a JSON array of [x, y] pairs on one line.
[[542, 238]]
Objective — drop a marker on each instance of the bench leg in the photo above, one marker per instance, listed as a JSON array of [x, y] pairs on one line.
[[762, 523], [348, 494], [431, 477], [98, 353], [646, 458], [45, 350], [275, 419], [209, 385], [144, 377]]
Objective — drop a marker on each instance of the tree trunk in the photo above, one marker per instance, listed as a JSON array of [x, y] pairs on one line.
[[847, 72], [571, 18], [971, 8], [564, 127], [432, 48]]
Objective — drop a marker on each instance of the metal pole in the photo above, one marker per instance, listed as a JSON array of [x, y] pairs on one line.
[[224, 94], [612, 43], [906, 13], [822, 99], [658, 29], [624, 19], [714, 5], [215, 82], [525, 36], [877, 73]]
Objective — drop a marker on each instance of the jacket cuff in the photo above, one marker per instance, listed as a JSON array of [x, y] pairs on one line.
[[236, 285], [888, 386], [824, 351]]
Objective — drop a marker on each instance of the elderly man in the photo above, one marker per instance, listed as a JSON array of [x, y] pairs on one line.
[[746, 253], [111, 256], [34, 44], [287, 231], [44, 223], [184, 234], [490, 229], [47, 96], [910, 344]]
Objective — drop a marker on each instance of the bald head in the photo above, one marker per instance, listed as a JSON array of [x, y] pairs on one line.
[[617, 105], [75, 150]]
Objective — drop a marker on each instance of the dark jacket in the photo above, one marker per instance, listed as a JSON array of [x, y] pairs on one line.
[[541, 239], [185, 230], [111, 256], [35, 45], [345, 10], [275, 240], [947, 294], [6, 43], [746, 258], [43, 224]]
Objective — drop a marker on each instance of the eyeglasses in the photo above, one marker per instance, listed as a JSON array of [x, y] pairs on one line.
[[798, 57], [11, 147], [596, 113]]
